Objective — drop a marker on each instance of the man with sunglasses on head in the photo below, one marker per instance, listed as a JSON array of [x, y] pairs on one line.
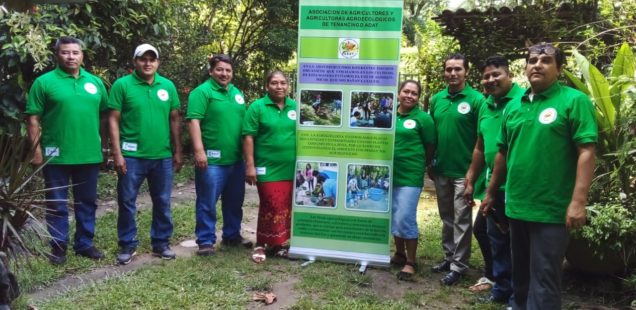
[[546, 157]]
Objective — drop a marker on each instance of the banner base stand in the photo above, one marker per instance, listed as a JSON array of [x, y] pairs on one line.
[[362, 259]]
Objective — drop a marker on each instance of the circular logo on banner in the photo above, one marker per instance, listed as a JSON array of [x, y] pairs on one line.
[[291, 115], [239, 99], [463, 108], [90, 88], [349, 48], [163, 94], [409, 124], [548, 116]]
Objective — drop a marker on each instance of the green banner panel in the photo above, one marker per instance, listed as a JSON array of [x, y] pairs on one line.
[[351, 18], [334, 227], [370, 49], [363, 145]]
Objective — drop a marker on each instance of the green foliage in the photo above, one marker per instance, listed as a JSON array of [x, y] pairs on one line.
[[612, 228]]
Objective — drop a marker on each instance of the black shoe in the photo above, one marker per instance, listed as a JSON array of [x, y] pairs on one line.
[[58, 254], [91, 252], [451, 278], [237, 241], [443, 266], [164, 253], [205, 250], [125, 255]]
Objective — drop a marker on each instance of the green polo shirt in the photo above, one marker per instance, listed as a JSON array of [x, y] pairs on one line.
[[221, 113], [541, 137], [490, 116], [455, 120], [69, 109], [144, 127], [274, 132], [413, 131]]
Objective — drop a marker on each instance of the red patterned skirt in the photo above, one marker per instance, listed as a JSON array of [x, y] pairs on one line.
[[274, 213]]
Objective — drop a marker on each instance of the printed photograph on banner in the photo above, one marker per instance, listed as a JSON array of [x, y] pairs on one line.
[[316, 184], [368, 188], [320, 108], [371, 109]]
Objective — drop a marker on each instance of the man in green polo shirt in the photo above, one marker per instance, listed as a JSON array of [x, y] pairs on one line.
[[454, 111], [63, 109], [497, 80], [144, 130], [215, 114], [546, 156]]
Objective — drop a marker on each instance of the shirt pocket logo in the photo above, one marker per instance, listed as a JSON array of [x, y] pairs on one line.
[[90, 88], [291, 115], [548, 116], [163, 95], [239, 99], [463, 108], [409, 124]]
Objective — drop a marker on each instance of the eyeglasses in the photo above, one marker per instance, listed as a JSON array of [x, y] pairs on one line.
[[542, 49]]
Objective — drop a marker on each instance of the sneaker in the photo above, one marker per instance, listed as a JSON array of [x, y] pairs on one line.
[[164, 253], [443, 266], [205, 250], [237, 241], [451, 278], [125, 256], [58, 254], [91, 252]]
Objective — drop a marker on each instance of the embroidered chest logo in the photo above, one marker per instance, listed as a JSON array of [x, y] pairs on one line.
[[90, 88], [239, 99], [409, 124], [163, 95], [463, 108], [291, 115], [548, 116]]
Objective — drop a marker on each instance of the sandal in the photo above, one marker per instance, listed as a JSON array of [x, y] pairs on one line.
[[483, 285], [407, 276], [282, 253], [398, 259], [258, 255]]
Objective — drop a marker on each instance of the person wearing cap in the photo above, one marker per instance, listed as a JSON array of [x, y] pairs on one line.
[[546, 157], [454, 111], [497, 81], [216, 109], [144, 129], [269, 148], [63, 123]]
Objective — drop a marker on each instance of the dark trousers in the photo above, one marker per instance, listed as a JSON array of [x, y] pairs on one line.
[[538, 250], [480, 231], [499, 236]]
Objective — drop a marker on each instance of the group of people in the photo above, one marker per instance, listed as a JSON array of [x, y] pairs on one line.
[[68, 108], [536, 147]]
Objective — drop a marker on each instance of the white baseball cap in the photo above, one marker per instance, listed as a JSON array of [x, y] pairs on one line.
[[143, 48]]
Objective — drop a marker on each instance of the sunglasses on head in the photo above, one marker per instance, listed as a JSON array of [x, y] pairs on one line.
[[542, 49]]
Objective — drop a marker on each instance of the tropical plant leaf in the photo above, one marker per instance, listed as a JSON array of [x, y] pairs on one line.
[[580, 85], [623, 71]]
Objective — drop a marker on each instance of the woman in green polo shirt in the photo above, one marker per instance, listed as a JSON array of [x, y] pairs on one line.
[[269, 149], [415, 141]]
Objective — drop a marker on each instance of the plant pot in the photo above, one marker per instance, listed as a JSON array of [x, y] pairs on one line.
[[581, 256]]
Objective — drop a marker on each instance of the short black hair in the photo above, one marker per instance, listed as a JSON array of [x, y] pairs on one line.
[[270, 75], [496, 61], [459, 56], [220, 58], [67, 40], [559, 56], [419, 86]]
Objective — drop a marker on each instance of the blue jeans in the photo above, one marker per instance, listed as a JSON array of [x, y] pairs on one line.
[[404, 209], [84, 187], [158, 172], [500, 246], [480, 230], [227, 182]]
